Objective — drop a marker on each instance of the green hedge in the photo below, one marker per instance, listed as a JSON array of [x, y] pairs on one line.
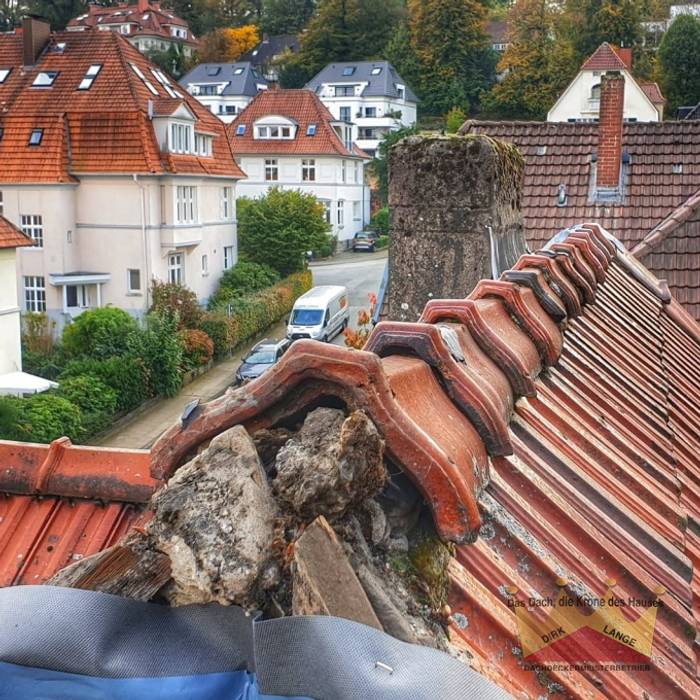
[[381, 242], [40, 418], [97, 402]]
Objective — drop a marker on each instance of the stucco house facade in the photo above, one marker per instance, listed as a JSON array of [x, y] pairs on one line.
[[581, 99], [115, 173], [370, 95], [288, 139]]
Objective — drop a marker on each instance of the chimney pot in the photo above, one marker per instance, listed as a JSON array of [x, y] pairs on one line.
[[612, 102], [143, 6], [35, 35]]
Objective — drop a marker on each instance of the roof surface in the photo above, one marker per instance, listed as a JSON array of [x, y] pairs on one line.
[[105, 128], [152, 21], [559, 153], [11, 236], [653, 92], [381, 85], [270, 47], [60, 503], [550, 421], [300, 106], [607, 57], [497, 29], [240, 78]]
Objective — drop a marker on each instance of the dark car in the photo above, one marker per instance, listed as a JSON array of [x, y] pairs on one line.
[[265, 354], [364, 240]]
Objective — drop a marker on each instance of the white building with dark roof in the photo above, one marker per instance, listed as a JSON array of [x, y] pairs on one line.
[[224, 88], [369, 94]]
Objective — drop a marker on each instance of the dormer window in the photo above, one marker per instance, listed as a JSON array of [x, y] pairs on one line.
[[401, 91], [344, 90], [4, 72], [276, 128], [181, 137], [90, 75], [203, 144], [45, 79], [35, 137]]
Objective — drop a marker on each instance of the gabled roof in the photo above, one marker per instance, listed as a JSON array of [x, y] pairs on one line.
[[550, 420], [383, 84], [270, 47], [497, 30], [11, 236], [608, 57], [105, 128], [559, 153], [302, 107], [240, 78]]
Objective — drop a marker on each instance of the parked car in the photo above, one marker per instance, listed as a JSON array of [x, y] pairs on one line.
[[265, 354], [319, 314], [364, 240]]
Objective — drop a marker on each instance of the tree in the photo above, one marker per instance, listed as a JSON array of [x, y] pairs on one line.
[[57, 12], [347, 30], [202, 16], [10, 14], [679, 63], [173, 60], [277, 229], [286, 16], [530, 84], [454, 119], [227, 45]]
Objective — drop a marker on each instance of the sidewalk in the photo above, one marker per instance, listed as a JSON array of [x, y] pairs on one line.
[[145, 428], [348, 256]]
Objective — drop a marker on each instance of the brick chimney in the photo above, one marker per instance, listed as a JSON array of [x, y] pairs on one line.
[[143, 6], [612, 100], [625, 55], [35, 35]]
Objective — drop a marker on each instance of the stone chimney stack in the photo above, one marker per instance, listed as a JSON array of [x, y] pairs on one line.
[[612, 102], [455, 218], [35, 35]]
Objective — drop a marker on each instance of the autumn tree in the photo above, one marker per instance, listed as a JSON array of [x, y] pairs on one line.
[[286, 16], [228, 44], [679, 63], [531, 81]]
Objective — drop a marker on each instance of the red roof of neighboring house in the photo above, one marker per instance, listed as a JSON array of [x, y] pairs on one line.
[[497, 30], [653, 92], [59, 503], [559, 153], [11, 236], [303, 108], [145, 20], [103, 129], [609, 57], [551, 422]]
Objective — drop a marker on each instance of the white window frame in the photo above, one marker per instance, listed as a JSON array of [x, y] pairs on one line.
[[327, 209], [32, 225], [357, 172], [226, 203], [34, 293], [205, 265], [340, 213], [229, 251], [203, 144], [272, 169], [82, 296], [176, 268], [343, 171], [186, 209], [180, 137], [129, 288], [2, 205], [308, 170], [357, 211]]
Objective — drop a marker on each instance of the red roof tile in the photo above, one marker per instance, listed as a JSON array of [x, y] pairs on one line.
[[103, 129], [551, 422], [560, 154], [653, 92], [302, 107], [608, 57], [11, 236]]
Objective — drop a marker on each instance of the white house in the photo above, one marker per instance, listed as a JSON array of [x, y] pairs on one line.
[[581, 99], [224, 88], [288, 139], [117, 175], [370, 95]]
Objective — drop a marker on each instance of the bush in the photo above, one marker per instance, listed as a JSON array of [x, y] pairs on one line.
[[454, 120], [47, 365], [217, 326], [170, 298], [37, 333], [381, 242], [97, 402], [10, 418], [248, 277], [198, 348], [46, 417], [327, 249], [161, 348], [99, 333], [380, 221], [126, 376]]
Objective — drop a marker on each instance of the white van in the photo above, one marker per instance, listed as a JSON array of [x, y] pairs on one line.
[[320, 314]]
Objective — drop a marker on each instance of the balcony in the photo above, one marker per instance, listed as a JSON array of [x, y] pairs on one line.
[[180, 235]]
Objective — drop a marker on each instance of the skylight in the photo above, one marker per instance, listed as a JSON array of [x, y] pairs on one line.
[[90, 75], [4, 72], [45, 79], [377, 70], [238, 71], [349, 70], [149, 85], [35, 137], [213, 70], [163, 80], [311, 130], [240, 130]]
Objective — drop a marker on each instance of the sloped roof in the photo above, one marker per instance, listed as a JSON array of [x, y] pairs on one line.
[[302, 107], [497, 30], [105, 128], [241, 78], [59, 503], [550, 421], [653, 92], [11, 236], [607, 57], [381, 85], [270, 47]]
